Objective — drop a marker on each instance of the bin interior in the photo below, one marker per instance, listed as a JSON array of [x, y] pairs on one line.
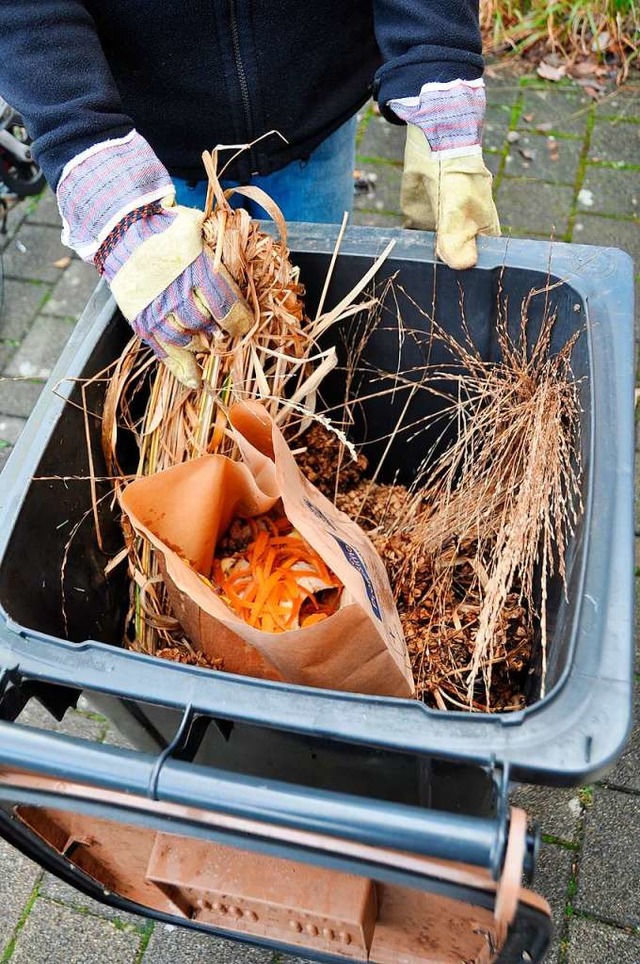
[[52, 574]]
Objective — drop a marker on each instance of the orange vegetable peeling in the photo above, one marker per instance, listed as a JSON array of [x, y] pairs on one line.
[[271, 577]]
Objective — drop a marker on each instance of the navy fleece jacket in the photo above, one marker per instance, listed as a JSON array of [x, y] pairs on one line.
[[192, 74]]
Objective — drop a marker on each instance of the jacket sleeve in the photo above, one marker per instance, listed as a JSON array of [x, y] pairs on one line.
[[425, 41], [53, 70]]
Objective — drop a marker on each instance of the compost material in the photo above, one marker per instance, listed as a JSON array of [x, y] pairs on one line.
[[440, 626], [469, 550], [271, 576]]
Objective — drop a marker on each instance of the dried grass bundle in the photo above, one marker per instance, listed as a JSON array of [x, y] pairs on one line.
[[472, 552], [278, 361]]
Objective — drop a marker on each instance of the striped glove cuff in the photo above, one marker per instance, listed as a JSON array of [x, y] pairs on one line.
[[102, 185], [450, 116]]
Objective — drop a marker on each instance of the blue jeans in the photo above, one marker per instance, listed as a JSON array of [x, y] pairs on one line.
[[319, 189]]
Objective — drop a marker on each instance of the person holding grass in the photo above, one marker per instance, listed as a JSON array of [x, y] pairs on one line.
[[122, 97]]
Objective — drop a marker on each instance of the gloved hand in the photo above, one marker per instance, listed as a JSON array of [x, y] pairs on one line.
[[116, 201], [446, 187]]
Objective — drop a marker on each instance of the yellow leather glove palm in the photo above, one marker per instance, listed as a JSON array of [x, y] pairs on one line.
[[451, 196], [168, 288]]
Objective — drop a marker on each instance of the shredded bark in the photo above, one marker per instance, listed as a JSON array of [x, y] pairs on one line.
[[324, 458], [180, 654]]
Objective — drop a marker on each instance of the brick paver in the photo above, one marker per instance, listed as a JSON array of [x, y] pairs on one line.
[[561, 162]]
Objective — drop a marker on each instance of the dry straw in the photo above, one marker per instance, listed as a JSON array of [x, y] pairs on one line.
[[279, 361]]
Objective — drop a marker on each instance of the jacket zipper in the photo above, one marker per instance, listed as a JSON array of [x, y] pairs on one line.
[[242, 77]]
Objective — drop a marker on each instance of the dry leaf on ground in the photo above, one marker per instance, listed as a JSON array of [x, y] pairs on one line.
[[548, 72]]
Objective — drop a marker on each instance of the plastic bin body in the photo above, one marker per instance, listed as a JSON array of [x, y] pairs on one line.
[[580, 725], [433, 783]]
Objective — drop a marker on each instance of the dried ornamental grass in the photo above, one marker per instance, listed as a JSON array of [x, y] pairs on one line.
[[438, 617], [490, 517]]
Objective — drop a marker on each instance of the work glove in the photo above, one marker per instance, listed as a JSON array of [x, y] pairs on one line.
[[446, 187], [118, 211]]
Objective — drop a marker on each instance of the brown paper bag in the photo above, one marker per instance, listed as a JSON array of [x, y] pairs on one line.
[[185, 510]]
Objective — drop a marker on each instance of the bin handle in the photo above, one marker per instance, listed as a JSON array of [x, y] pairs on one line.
[[509, 885], [478, 841], [21, 787]]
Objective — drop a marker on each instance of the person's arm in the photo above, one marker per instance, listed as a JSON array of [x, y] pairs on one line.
[[431, 79], [114, 194], [430, 41], [53, 70]]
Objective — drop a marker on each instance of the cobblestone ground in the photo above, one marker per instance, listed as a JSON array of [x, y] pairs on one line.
[[564, 167]]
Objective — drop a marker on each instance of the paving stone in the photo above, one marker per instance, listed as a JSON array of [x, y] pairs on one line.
[[18, 876], [20, 303], [383, 139], [532, 157], [54, 934], [71, 294], [58, 890], [10, 429], [15, 217], [591, 942], [385, 193], [493, 161], [533, 207], [45, 210], [627, 770], [5, 452], [7, 349], [501, 93], [18, 397], [496, 127], [609, 233], [113, 737], [555, 809], [609, 879], [72, 724], [566, 111], [552, 881], [177, 945], [609, 191], [615, 141], [41, 347], [623, 104], [365, 113], [86, 706], [33, 253]]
